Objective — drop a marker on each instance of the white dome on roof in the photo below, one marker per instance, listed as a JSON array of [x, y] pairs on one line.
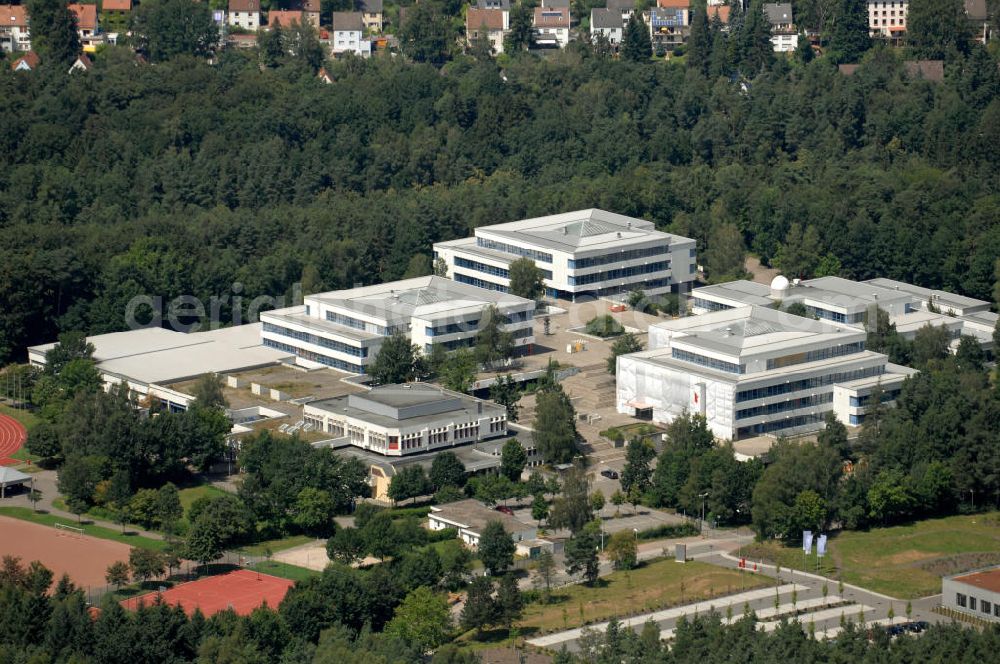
[[778, 286]]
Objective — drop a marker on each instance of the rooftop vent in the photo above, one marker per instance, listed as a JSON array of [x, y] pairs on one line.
[[628, 225], [565, 230], [619, 235]]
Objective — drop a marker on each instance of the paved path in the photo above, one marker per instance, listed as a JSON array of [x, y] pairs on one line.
[[12, 437], [797, 593]]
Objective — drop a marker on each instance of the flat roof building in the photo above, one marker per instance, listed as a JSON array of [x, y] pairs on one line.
[[976, 594], [413, 418], [587, 253], [750, 371], [345, 329], [470, 518]]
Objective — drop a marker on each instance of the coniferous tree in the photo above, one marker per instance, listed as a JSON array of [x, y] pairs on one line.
[[849, 38], [937, 28], [521, 35], [636, 43], [700, 43], [54, 33]]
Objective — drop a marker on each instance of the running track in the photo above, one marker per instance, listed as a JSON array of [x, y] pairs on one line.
[[12, 437]]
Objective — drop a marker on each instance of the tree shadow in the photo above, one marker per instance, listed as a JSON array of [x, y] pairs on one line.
[[215, 569]]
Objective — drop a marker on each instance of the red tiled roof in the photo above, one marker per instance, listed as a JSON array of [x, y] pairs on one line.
[[673, 4], [552, 17], [86, 16], [14, 16], [116, 5], [477, 18], [722, 11], [284, 18], [30, 58], [244, 5], [987, 580]]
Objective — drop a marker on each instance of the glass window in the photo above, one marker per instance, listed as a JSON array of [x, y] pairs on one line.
[[618, 256], [537, 256], [960, 599]]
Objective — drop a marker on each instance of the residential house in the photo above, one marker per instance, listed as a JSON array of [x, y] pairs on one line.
[[82, 64], [624, 7], [14, 33], [311, 11], [888, 19], [784, 38], [979, 20], [114, 18], [346, 36], [502, 5], [27, 62], [86, 25], [284, 18], [720, 11], [244, 14], [469, 518], [491, 24], [669, 24], [121, 7], [606, 23], [551, 26], [371, 14]]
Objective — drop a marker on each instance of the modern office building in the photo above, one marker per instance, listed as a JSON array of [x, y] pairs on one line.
[[845, 302], [345, 329], [413, 418], [976, 594], [750, 371], [587, 253]]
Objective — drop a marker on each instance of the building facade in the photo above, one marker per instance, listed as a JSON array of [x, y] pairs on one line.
[[14, 33], [669, 24], [347, 34], [750, 371], [607, 23], [551, 26], [409, 419], [345, 329], [784, 37], [587, 253], [470, 517], [244, 14], [488, 24], [888, 19], [976, 594]]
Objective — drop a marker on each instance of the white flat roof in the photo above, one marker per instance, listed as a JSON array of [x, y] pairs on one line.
[[942, 299], [161, 356], [747, 292], [419, 297], [581, 230]]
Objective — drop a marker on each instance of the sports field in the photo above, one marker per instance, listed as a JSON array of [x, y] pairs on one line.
[[84, 558], [12, 437], [242, 591]]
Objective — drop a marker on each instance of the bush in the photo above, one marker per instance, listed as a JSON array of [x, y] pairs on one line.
[[604, 326], [669, 532]]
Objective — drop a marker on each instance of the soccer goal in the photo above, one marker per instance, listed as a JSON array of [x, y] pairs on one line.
[[71, 530]]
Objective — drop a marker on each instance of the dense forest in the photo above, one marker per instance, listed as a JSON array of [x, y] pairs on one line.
[[237, 179]]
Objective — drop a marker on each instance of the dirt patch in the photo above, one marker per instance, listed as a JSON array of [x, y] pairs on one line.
[[85, 559], [906, 557]]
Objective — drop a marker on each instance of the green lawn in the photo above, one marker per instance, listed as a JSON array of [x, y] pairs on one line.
[[655, 585], [26, 514], [285, 571], [191, 494], [275, 545], [24, 417], [903, 561]]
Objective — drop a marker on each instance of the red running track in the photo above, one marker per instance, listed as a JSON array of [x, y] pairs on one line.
[[12, 437]]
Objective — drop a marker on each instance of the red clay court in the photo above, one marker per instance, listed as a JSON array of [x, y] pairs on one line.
[[12, 437], [84, 558], [243, 591]]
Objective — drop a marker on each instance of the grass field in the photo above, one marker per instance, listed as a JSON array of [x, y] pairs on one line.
[[24, 417], [653, 586], [191, 494], [285, 571], [26, 514], [901, 561]]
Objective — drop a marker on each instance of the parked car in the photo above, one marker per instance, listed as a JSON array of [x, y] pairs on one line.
[[610, 474], [504, 509]]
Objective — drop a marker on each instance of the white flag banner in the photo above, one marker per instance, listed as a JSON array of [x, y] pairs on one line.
[[821, 546], [807, 540]]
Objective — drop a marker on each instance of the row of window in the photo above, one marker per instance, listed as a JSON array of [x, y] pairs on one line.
[[315, 357], [709, 305], [807, 383], [710, 362], [816, 355], [619, 273], [537, 256], [621, 256], [778, 425], [332, 344], [782, 406], [452, 328], [985, 606], [647, 285], [481, 283], [835, 316], [888, 395]]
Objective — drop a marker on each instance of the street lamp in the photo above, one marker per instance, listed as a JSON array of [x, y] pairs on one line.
[[704, 499]]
